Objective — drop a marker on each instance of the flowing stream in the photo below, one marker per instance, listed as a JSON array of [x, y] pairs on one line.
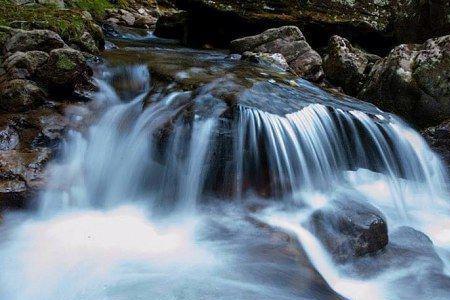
[[204, 186]]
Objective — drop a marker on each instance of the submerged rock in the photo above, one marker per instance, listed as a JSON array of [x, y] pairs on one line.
[[407, 247], [289, 42], [349, 228], [413, 81], [347, 66]]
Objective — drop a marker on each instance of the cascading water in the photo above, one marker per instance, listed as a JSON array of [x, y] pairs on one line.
[[178, 194]]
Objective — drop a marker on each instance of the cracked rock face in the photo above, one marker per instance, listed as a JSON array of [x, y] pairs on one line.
[[413, 81], [346, 65], [399, 20]]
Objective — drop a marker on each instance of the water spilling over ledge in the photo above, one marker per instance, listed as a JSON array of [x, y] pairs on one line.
[[199, 177]]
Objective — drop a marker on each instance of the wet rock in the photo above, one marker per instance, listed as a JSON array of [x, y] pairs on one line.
[[20, 95], [289, 42], [13, 191], [9, 138], [66, 70], [349, 228], [50, 128], [407, 248], [22, 174], [42, 127], [347, 66], [413, 81], [42, 40], [275, 61], [438, 137]]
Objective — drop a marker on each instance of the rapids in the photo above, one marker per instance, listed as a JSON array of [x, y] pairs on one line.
[[195, 177]]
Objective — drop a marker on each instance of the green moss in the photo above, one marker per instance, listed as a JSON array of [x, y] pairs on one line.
[[64, 63], [70, 24], [96, 7]]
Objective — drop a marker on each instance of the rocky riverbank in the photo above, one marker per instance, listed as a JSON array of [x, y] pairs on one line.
[[48, 49]]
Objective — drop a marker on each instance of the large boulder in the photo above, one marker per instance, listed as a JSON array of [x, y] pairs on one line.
[[347, 66], [413, 81], [42, 40], [25, 64], [289, 42], [66, 70], [20, 95], [369, 21], [349, 228]]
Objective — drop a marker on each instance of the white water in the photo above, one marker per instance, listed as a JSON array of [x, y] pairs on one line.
[[104, 230]]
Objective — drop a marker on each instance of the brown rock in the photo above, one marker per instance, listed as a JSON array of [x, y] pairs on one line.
[[21, 175], [288, 41], [66, 69], [347, 66], [20, 95], [275, 61], [145, 21], [396, 20], [27, 63]]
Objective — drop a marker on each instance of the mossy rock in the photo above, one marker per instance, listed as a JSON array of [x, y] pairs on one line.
[[70, 24], [66, 70]]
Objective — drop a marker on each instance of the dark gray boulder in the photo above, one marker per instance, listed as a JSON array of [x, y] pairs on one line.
[[349, 228]]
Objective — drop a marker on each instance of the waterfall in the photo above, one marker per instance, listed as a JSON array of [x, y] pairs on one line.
[[150, 200], [311, 149]]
